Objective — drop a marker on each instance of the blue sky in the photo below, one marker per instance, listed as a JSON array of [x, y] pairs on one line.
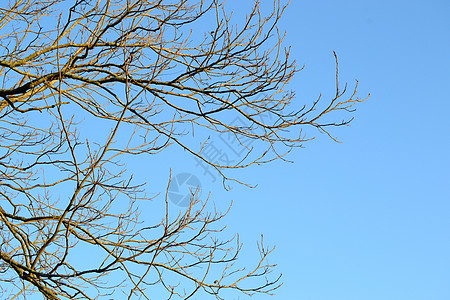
[[367, 218]]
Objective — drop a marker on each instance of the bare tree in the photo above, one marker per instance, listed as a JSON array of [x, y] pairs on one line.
[[147, 74]]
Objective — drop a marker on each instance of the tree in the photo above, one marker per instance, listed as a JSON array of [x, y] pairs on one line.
[[148, 76]]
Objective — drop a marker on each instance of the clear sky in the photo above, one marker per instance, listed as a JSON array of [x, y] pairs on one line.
[[368, 218]]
